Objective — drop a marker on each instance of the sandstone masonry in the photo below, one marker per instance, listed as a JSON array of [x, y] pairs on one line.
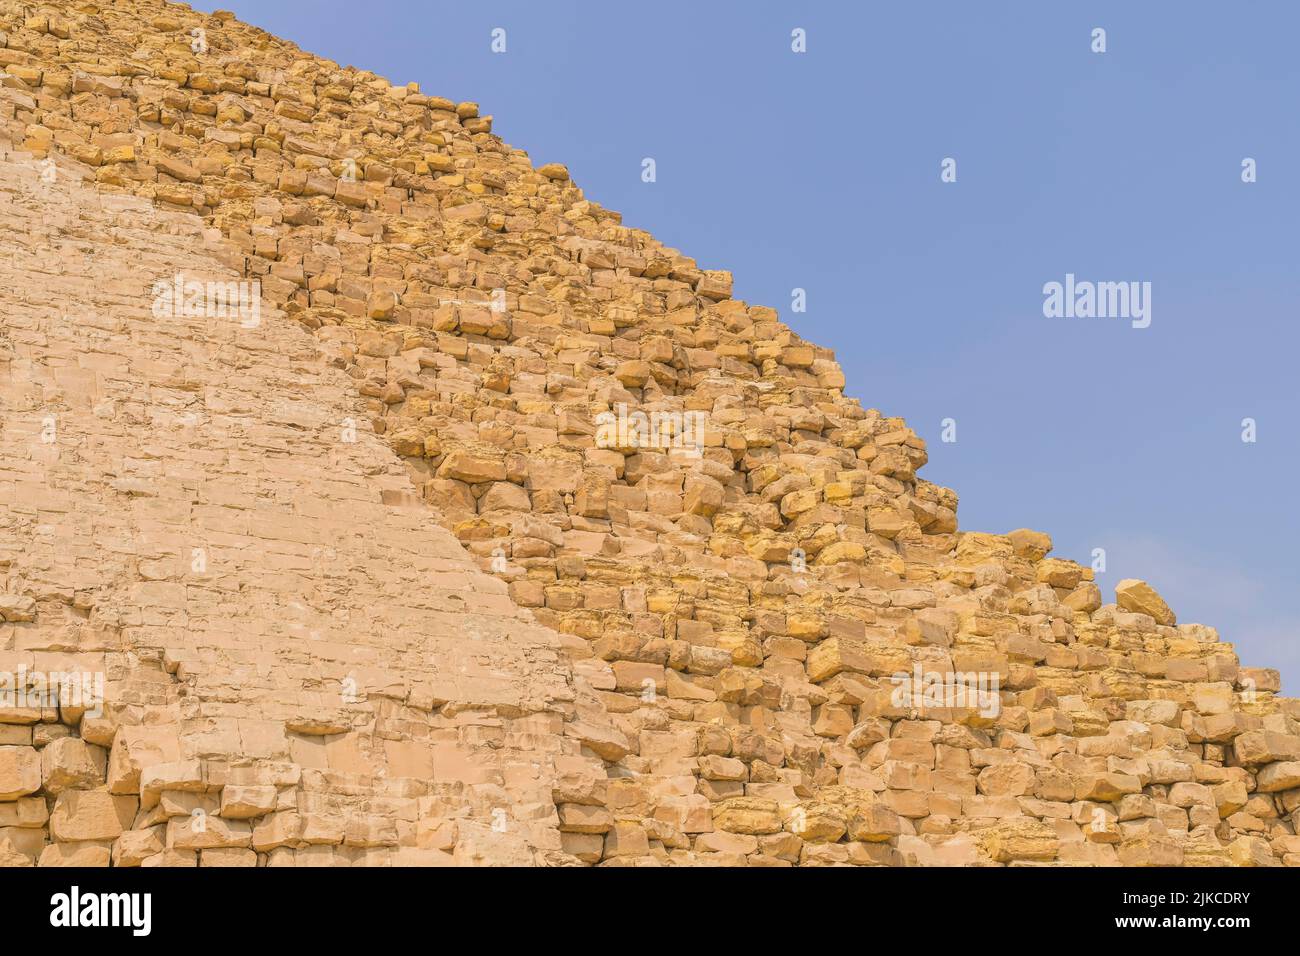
[[487, 628]]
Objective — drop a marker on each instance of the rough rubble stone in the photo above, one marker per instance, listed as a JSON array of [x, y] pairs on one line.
[[503, 533]]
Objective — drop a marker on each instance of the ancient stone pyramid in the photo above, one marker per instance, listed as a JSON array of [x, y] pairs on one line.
[[368, 496]]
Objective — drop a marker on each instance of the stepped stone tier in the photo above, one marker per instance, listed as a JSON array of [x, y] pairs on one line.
[[391, 503]]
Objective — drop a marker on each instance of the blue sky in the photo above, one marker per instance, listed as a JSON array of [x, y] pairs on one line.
[[821, 171]]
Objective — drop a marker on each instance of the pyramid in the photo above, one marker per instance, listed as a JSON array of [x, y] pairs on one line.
[[370, 497]]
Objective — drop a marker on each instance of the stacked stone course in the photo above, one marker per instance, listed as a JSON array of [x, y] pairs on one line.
[[702, 642]]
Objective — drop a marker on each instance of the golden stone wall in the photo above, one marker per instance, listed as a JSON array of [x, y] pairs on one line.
[[700, 571]]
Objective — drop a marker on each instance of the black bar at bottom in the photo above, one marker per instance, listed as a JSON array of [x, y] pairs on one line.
[[577, 907]]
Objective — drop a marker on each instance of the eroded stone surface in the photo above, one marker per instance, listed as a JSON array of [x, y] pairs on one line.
[[741, 596], [286, 632]]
